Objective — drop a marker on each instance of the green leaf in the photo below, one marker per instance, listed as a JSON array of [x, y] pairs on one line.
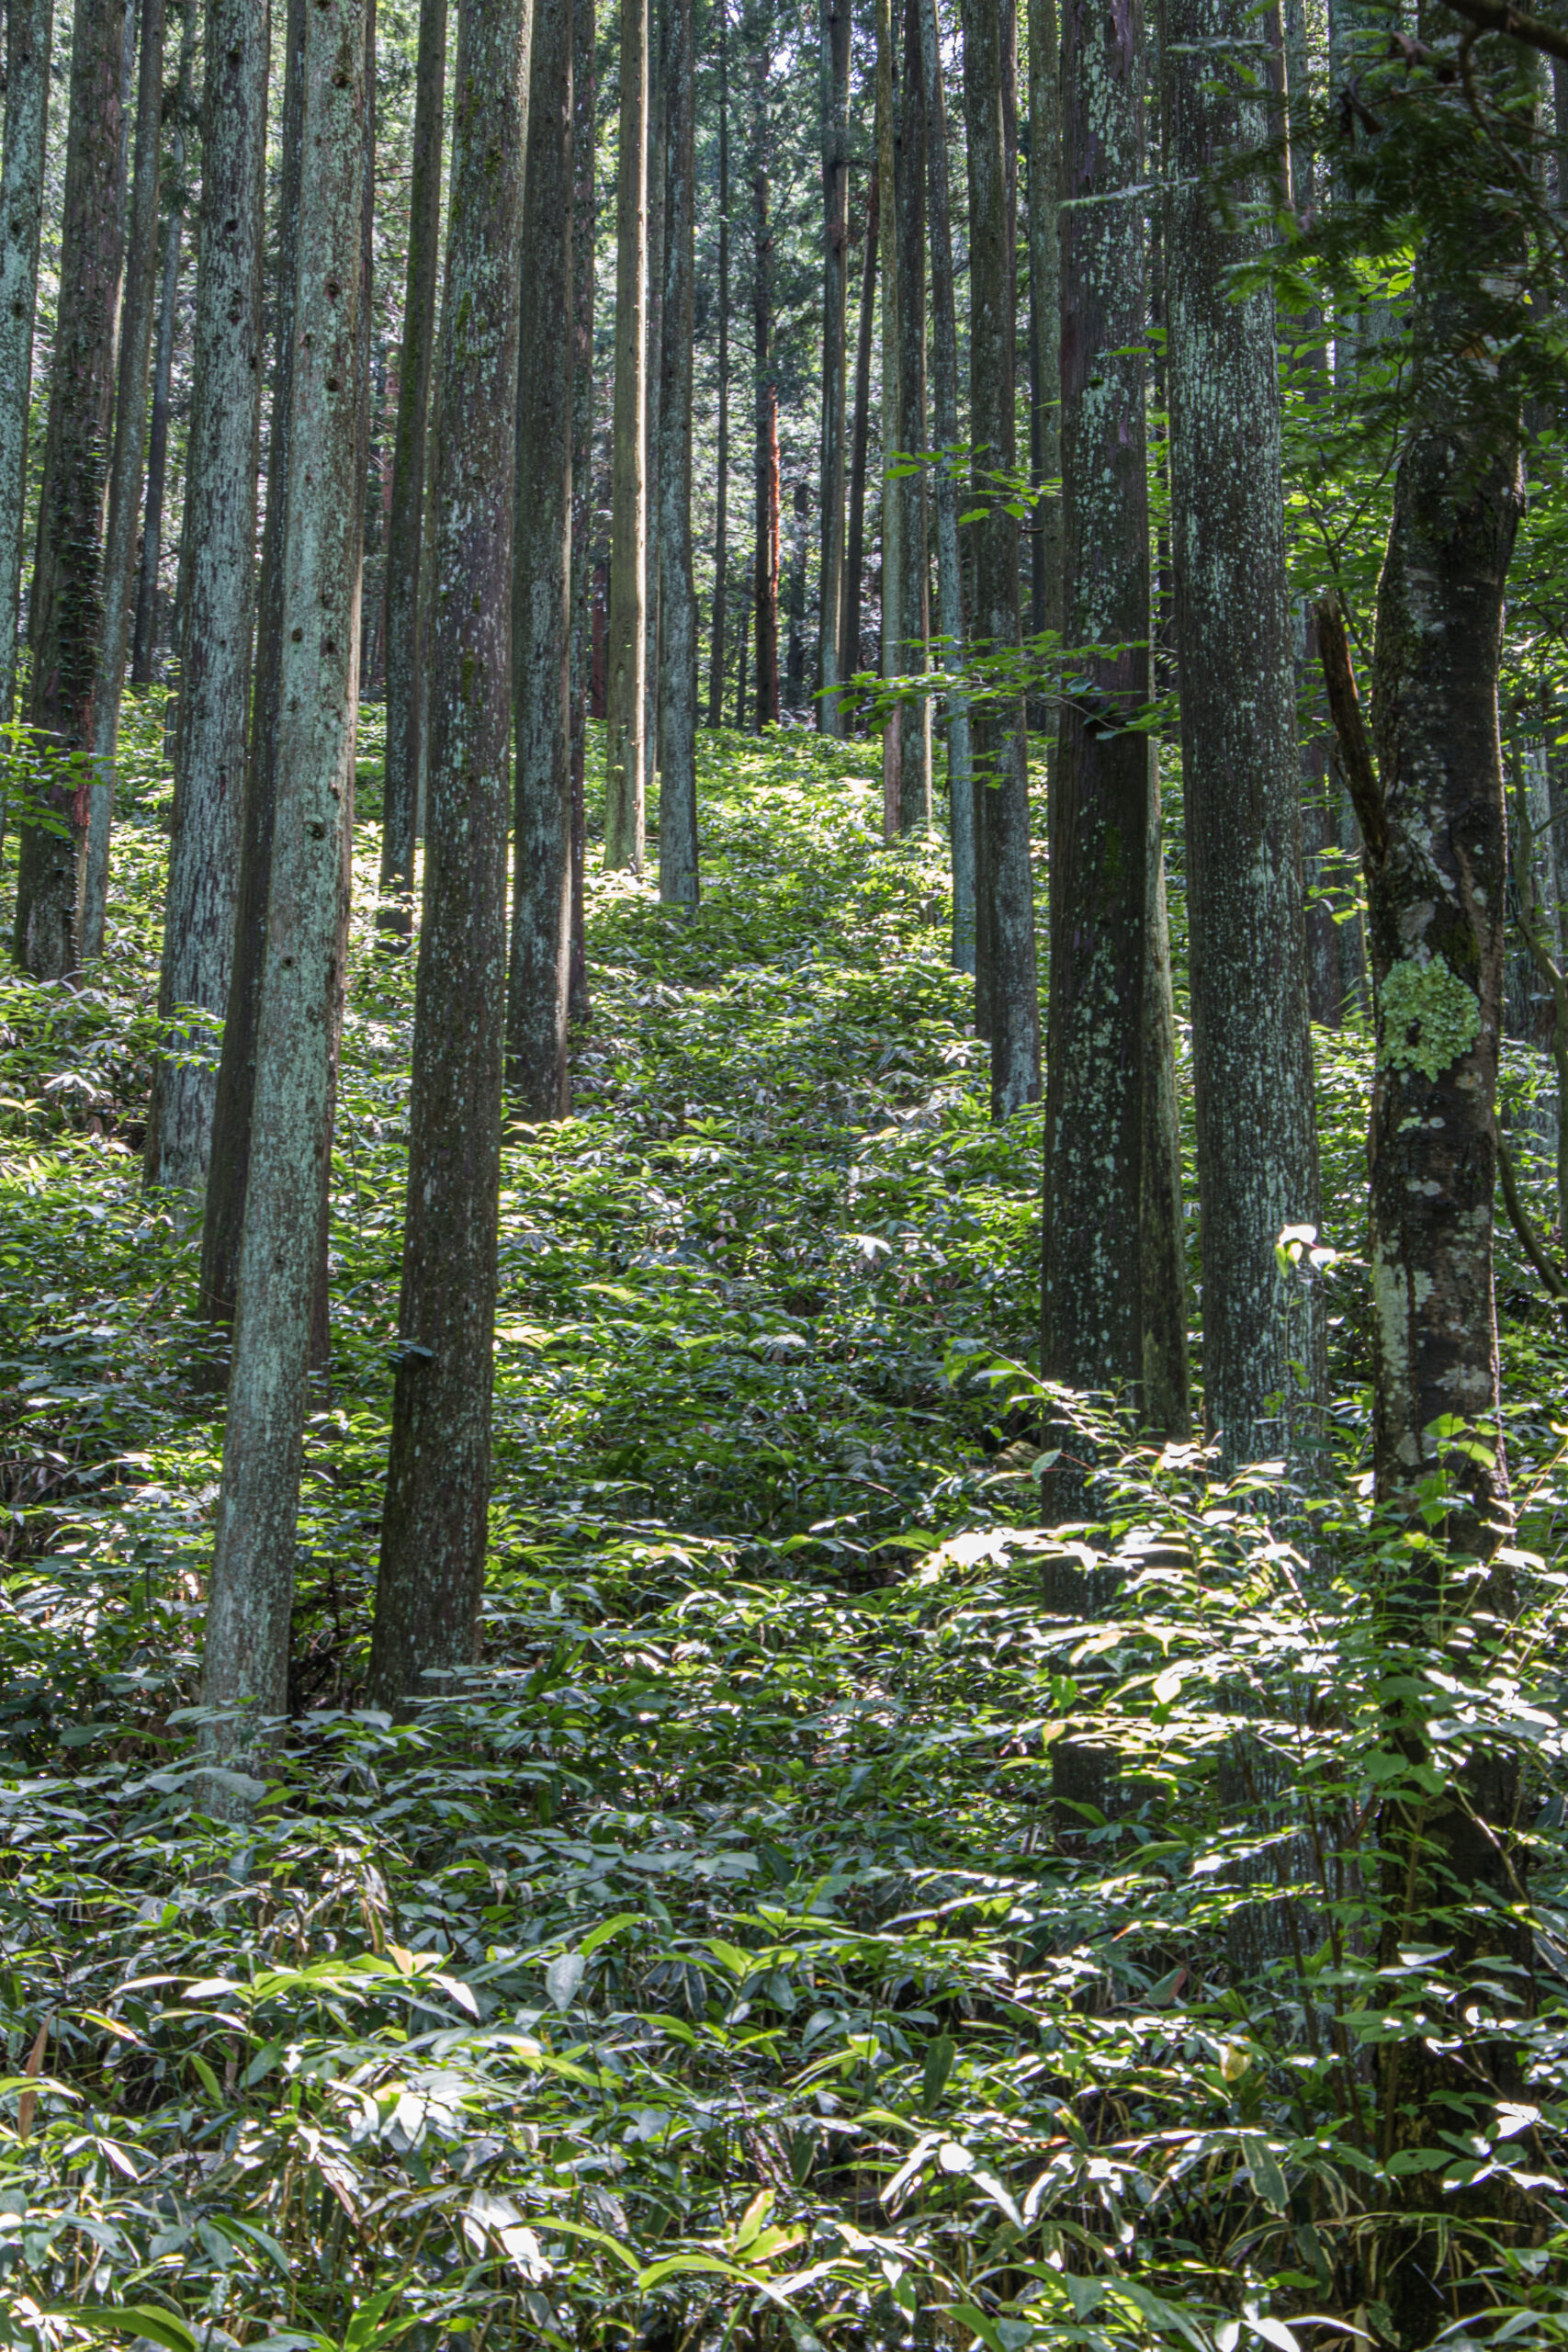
[[166, 2329]]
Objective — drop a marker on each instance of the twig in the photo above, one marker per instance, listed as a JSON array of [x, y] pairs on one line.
[[1345, 710], [1496, 17], [1523, 1224]]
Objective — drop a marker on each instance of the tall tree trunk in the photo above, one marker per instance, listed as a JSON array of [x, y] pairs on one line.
[[765, 590], [246, 1662], [854, 552], [218, 590], [28, 29], [915, 746], [430, 1583], [144, 633], [721, 460], [539, 975], [657, 24], [1251, 1038], [584, 606], [125, 473], [625, 804], [678, 604], [834, 102], [1044, 318], [405, 526], [950, 569], [1112, 1285], [1007, 980], [228, 1158], [65, 617], [892, 427]]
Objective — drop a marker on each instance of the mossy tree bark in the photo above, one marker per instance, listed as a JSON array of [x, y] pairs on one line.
[[583, 234], [30, 26], [539, 971], [721, 454], [431, 1581], [914, 618], [245, 1658], [67, 614], [677, 597], [218, 595], [405, 523], [627, 687], [1045, 315], [765, 443], [892, 425], [834, 33], [180, 123]]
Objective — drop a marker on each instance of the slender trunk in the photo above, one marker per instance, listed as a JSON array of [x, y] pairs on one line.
[[834, 99], [539, 975], [741, 655], [1112, 1285], [721, 514], [1251, 1037], [678, 665], [144, 635], [218, 588], [1044, 318], [765, 591], [405, 524], [585, 608], [1006, 980], [228, 1158], [892, 428], [854, 553], [66, 618], [950, 569], [909, 165], [125, 474], [430, 1583], [625, 804], [28, 29], [657, 31], [245, 1664]]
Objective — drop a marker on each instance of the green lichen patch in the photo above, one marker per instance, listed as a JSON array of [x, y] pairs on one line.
[[1428, 1017]]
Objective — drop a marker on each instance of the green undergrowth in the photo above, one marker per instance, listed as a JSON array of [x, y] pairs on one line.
[[716, 1966]]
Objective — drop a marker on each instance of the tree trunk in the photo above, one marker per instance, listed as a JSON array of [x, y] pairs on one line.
[[834, 97], [28, 30], [950, 569], [584, 606], [124, 502], [539, 976], [1251, 1037], [430, 1584], [144, 634], [721, 510], [654, 291], [625, 805], [1006, 980], [405, 524], [678, 604], [854, 553], [218, 589], [765, 591], [66, 618], [229, 1156], [892, 428], [245, 1664], [909, 165], [1113, 1311], [1044, 318]]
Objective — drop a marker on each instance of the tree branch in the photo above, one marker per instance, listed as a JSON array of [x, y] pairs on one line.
[[1496, 17], [1523, 1224], [1350, 727]]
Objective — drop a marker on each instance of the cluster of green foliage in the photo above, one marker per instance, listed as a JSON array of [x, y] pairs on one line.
[[716, 1967]]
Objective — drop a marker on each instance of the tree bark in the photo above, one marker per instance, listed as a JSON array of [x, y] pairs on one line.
[[625, 804], [125, 472], [246, 1662], [218, 590], [721, 493], [430, 1583], [28, 30], [950, 569], [405, 524], [892, 425], [854, 552], [1044, 318], [144, 634], [1007, 980], [678, 883], [1113, 1310], [658, 22], [834, 99], [909, 165], [584, 606], [65, 617], [539, 974], [1251, 1036], [765, 590]]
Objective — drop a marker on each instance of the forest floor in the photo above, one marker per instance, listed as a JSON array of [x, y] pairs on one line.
[[713, 1966]]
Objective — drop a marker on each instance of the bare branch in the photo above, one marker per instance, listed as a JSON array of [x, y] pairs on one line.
[[1496, 17], [1345, 710]]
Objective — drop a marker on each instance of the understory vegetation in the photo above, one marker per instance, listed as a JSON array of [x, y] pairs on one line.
[[717, 1966]]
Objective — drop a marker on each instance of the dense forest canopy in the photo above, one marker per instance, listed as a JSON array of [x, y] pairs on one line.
[[785, 1245]]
